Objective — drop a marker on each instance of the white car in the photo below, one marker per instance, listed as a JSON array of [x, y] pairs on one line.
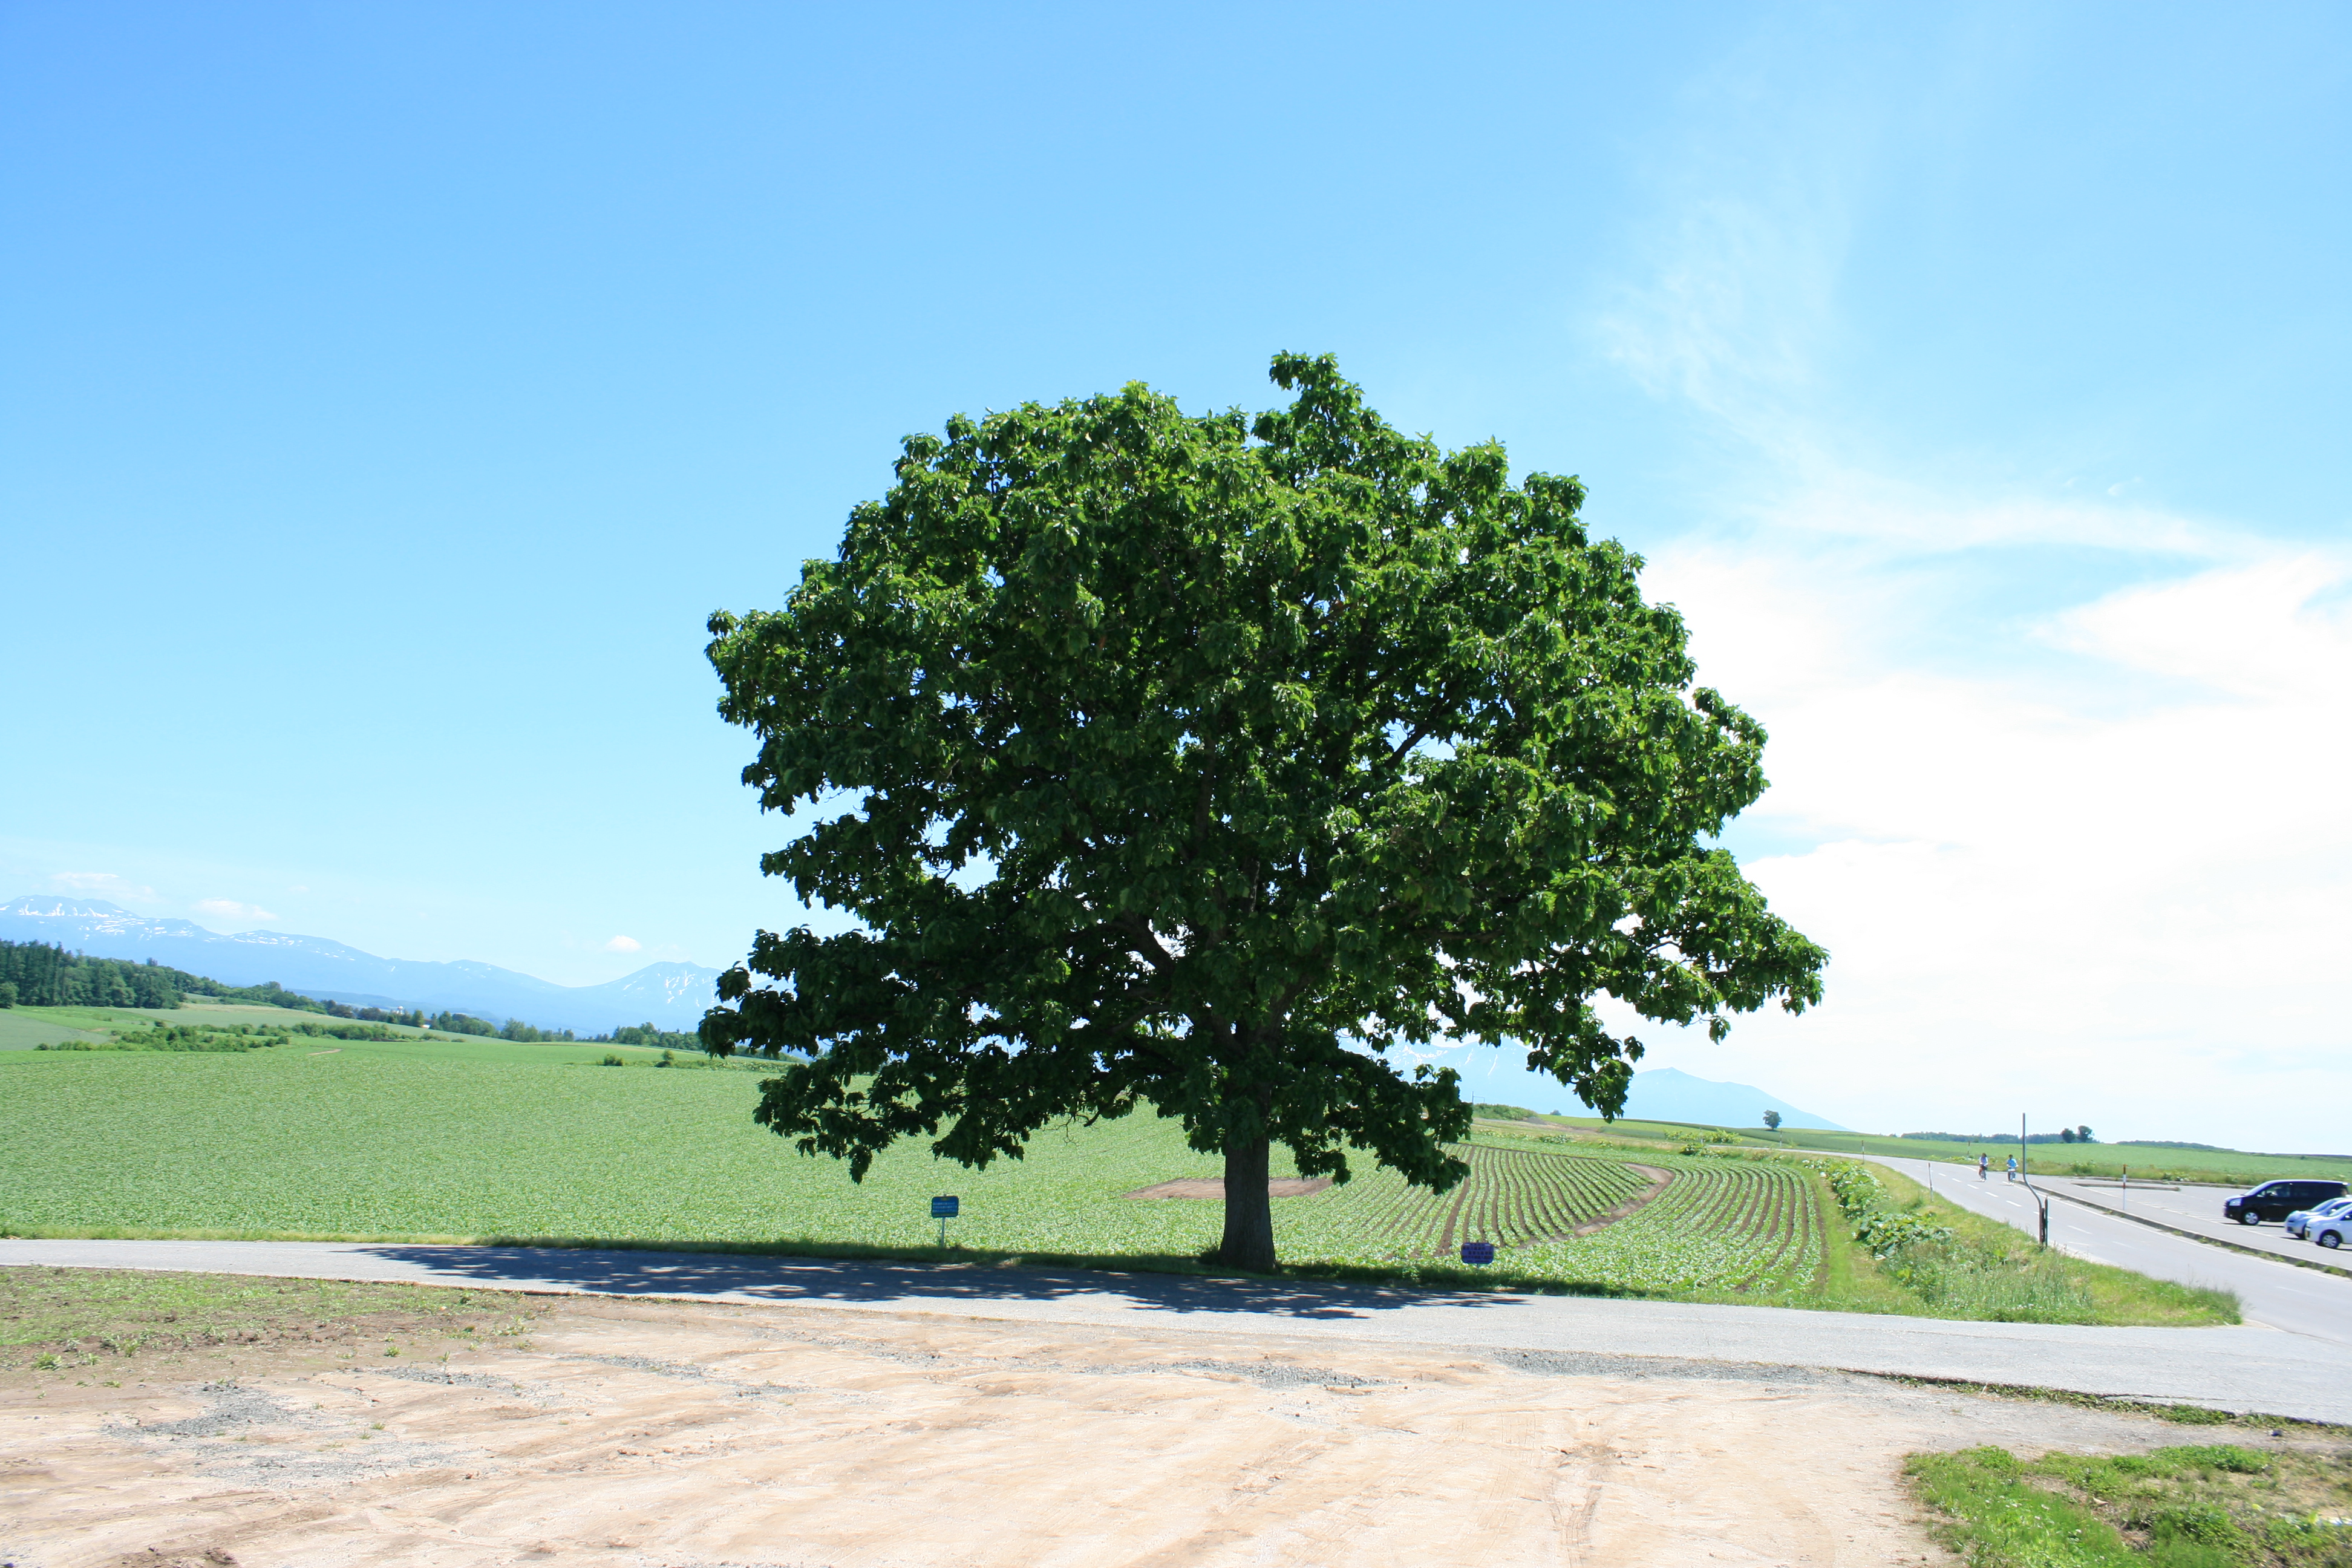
[[2299, 1223], [2330, 1230]]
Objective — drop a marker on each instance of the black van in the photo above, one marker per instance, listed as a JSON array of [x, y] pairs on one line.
[[2276, 1200]]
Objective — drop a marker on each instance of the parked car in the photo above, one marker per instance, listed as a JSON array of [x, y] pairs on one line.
[[2330, 1232], [2276, 1200], [2299, 1222]]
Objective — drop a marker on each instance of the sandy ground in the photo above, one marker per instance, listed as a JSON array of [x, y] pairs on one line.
[[697, 1435]]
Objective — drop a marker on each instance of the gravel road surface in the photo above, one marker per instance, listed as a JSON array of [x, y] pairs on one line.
[[2251, 1368]]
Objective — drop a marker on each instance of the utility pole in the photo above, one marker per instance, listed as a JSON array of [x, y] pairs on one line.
[[2025, 1170]]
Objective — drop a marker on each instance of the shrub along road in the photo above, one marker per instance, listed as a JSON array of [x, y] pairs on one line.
[[2238, 1368], [2273, 1295]]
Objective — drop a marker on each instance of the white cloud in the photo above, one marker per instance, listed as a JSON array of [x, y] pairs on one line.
[[624, 944], [2102, 876], [104, 882], [229, 908], [2075, 851]]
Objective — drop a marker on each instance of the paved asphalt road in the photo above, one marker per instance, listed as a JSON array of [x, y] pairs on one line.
[[2237, 1369], [2198, 1209], [2306, 1303]]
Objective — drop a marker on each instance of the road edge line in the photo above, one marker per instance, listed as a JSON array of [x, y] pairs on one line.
[[2310, 1263]]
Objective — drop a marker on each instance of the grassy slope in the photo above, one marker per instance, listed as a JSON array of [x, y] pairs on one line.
[[81, 1323], [93, 1021], [2204, 1506], [2225, 1166], [2046, 1287], [123, 1308], [24, 1028]]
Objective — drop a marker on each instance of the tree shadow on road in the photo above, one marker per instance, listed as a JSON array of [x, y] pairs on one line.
[[893, 1282]]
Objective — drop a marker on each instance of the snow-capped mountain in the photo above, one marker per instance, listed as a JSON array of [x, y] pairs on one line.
[[673, 995]]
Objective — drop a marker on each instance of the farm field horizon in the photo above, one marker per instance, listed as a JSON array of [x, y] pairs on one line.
[[468, 1139], [23, 1027], [2151, 1162]]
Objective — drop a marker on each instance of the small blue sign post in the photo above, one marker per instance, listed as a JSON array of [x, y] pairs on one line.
[[1478, 1254], [943, 1210]]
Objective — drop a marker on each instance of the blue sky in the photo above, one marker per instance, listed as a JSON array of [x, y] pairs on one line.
[[391, 392]]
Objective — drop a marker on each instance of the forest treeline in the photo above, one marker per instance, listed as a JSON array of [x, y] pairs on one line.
[[36, 974], [39, 974]]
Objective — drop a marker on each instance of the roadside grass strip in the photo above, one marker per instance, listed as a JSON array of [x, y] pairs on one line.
[[1919, 1253], [2203, 1506], [58, 1320]]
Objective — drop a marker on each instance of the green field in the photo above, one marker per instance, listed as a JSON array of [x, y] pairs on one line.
[[2208, 1505], [29, 1028], [477, 1139], [117, 1020], [2227, 1167]]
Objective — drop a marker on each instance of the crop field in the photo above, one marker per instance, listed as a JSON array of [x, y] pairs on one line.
[[1749, 1226], [1720, 1226], [424, 1139], [23, 1028], [1512, 1197], [480, 1138]]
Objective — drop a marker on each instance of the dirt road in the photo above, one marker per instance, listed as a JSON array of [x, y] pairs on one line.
[[713, 1436], [2233, 1369]]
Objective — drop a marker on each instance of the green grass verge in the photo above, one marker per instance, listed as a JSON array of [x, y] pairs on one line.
[[52, 1319], [2223, 1167], [2205, 1506], [1990, 1271], [24, 1028]]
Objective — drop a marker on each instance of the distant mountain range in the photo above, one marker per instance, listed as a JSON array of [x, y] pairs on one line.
[[1665, 1094], [673, 995], [1500, 1077]]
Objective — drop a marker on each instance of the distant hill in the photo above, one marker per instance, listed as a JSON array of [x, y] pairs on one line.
[[1664, 1094], [1500, 1077], [673, 995]]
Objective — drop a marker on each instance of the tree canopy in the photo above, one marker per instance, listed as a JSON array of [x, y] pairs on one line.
[[1200, 763]]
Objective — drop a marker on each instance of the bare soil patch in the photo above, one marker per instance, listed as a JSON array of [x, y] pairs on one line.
[[707, 1436], [1660, 1180], [1214, 1187]]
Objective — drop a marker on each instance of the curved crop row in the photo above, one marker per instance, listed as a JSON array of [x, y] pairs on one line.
[[1722, 1224], [1512, 1197]]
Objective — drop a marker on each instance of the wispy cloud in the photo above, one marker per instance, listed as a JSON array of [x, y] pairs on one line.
[[229, 908], [2047, 877], [2075, 846], [624, 944], [103, 882]]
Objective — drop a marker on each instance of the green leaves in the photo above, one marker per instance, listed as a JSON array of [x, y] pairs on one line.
[[1197, 760]]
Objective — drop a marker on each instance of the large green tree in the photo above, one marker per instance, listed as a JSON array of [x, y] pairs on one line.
[[1198, 762]]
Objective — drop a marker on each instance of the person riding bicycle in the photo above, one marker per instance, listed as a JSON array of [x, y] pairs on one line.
[[2012, 1167], [1984, 1167]]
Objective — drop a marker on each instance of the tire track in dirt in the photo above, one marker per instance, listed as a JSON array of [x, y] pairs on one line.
[[1660, 1180]]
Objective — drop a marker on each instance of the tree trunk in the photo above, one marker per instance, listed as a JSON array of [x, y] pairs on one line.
[[1249, 1212]]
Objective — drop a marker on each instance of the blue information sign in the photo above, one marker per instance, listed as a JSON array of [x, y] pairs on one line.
[[945, 1208], [1478, 1252]]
